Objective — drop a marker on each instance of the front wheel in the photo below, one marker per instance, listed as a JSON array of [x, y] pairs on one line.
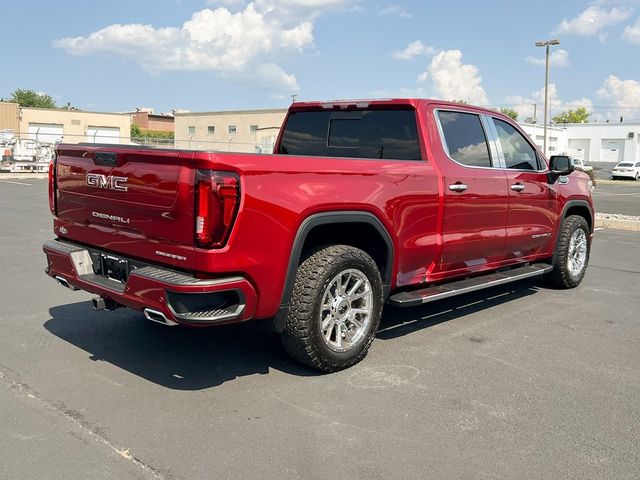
[[572, 253], [335, 308]]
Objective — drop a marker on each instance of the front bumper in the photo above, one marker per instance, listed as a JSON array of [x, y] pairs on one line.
[[179, 297]]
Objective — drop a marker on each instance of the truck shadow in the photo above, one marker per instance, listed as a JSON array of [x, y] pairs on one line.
[[201, 358], [173, 357]]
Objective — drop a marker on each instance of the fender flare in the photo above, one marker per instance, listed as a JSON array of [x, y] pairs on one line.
[[577, 203], [326, 218]]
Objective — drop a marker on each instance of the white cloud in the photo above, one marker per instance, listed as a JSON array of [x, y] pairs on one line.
[[594, 19], [535, 102], [273, 75], [217, 40], [453, 80], [413, 50], [624, 94], [632, 32], [558, 58], [417, 92], [397, 10]]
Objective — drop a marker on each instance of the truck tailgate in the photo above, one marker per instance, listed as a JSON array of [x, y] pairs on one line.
[[127, 199]]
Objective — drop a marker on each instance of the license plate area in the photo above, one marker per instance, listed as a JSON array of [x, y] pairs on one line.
[[111, 267]]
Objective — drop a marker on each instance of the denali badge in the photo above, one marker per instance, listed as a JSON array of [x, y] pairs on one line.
[[113, 218], [170, 255], [108, 182]]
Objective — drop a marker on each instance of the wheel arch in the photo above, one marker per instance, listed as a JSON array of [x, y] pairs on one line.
[[316, 229], [581, 208]]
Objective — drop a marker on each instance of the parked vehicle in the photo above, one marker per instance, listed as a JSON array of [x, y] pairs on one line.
[[626, 170], [363, 203], [580, 164]]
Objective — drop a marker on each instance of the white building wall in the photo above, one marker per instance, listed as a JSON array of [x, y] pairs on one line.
[[626, 133], [590, 137]]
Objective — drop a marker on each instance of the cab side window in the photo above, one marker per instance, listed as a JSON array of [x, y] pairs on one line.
[[464, 138], [518, 153]]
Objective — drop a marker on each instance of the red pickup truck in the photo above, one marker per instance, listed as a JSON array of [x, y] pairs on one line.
[[363, 203]]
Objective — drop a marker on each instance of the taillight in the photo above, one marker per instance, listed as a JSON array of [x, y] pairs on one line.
[[52, 185], [217, 199]]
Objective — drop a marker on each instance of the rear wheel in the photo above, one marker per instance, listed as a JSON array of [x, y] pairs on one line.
[[335, 308], [572, 253]]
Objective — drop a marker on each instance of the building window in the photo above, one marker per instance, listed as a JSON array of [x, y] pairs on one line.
[[192, 130], [253, 128], [232, 129], [211, 130]]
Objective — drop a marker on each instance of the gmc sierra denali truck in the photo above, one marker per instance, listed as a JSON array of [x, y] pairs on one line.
[[362, 204]]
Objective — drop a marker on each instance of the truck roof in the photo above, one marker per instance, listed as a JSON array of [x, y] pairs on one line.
[[379, 102]]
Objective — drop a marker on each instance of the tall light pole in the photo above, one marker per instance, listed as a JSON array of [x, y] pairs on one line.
[[546, 44]]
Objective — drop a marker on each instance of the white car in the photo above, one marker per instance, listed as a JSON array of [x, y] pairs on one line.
[[626, 170]]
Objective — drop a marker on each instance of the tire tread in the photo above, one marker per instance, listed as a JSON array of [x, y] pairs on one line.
[[297, 337]]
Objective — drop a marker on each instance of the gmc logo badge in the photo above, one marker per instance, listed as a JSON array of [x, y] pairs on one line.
[[108, 182]]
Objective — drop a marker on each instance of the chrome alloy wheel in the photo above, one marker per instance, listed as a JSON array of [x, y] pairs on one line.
[[577, 257], [346, 310]]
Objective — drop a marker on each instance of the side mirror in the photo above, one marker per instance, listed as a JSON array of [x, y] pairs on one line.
[[559, 165]]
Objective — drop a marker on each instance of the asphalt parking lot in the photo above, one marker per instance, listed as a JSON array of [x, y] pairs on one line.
[[518, 382], [621, 198]]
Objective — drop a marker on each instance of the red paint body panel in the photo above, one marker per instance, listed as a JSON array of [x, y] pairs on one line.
[[437, 234]]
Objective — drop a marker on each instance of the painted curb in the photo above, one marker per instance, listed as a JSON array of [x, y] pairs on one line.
[[615, 224], [625, 183]]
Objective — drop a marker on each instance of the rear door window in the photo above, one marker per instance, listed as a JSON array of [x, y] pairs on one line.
[[375, 134], [518, 153], [464, 138]]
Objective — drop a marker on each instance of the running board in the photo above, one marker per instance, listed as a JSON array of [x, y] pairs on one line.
[[438, 292]]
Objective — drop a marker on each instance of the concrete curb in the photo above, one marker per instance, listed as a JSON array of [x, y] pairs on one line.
[[630, 224], [625, 183]]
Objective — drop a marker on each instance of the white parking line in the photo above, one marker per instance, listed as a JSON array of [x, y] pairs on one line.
[[16, 183]]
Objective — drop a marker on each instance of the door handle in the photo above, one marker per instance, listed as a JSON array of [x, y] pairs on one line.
[[457, 187], [517, 187]]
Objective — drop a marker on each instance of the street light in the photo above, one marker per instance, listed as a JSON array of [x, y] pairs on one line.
[[546, 44]]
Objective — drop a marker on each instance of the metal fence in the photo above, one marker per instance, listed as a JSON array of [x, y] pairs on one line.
[[32, 152]]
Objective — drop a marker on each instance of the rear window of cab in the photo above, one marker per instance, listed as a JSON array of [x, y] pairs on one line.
[[370, 134]]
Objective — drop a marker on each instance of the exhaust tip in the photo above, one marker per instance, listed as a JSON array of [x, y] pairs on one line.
[[65, 283], [158, 317]]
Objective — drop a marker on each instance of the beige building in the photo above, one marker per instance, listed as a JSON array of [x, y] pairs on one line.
[[9, 116], [73, 126], [246, 131]]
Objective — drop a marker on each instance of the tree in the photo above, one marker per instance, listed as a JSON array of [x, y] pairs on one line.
[[580, 115], [31, 98], [459, 100], [510, 112]]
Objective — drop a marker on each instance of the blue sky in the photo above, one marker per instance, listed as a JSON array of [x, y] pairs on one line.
[[204, 55]]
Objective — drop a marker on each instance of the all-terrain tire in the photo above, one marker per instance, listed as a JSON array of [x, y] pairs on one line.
[[302, 337], [563, 276]]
